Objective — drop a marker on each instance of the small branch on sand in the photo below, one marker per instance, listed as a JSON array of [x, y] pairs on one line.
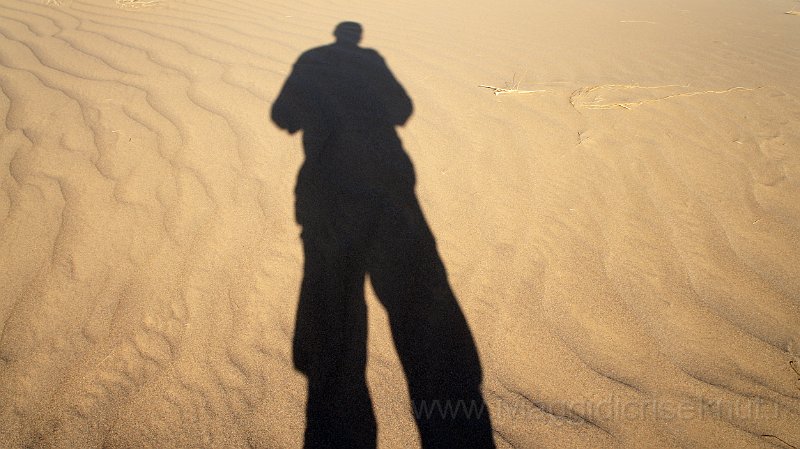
[[793, 12], [766, 435], [793, 364], [501, 90], [512, 87]]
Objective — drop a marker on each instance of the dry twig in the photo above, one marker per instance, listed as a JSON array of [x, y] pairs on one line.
[[511, 88], [501, 90], [766, 435]]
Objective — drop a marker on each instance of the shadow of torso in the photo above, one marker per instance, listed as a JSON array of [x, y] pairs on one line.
[[348, 103]]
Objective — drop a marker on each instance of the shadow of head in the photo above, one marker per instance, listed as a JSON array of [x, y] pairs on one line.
[[348, 33]]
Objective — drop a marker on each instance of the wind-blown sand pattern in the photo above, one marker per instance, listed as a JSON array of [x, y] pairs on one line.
[[625, 245]]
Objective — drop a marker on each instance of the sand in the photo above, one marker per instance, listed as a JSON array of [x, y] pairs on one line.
[[624, 241]]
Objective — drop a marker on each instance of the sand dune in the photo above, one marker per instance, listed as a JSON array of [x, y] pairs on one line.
[[624, 242]]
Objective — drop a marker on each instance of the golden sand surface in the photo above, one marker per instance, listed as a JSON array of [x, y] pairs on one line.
[[624, 238]]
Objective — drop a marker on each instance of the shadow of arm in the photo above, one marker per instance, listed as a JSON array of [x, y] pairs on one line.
[[286, 110], [398, 105], [292, 109]]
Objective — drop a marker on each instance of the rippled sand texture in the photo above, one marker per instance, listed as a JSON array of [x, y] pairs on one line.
[[625, 243]]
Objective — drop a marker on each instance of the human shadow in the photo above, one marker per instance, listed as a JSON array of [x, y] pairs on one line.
[[359, 215]]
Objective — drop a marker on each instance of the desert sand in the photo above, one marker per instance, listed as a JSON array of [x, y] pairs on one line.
[[623, 238]]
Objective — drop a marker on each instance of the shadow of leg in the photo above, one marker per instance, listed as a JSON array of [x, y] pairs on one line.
[[430, 332], [330, 347]]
